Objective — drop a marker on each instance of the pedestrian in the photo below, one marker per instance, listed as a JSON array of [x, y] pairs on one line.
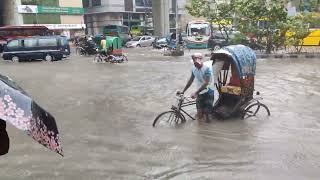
[[4, 138], [204, 95], [104, 44]]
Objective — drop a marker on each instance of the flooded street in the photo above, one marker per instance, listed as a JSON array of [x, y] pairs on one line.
[[105, 113]]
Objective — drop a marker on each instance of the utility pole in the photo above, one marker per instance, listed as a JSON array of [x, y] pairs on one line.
[[178, 51], [177, 28]]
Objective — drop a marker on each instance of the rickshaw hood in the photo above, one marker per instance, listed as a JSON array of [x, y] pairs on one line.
[[243, 57]]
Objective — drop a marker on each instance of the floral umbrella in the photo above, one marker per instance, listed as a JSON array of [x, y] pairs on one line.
[[18, 109]]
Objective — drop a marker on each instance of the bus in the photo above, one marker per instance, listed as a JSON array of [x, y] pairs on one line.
[[198, 34], [12, 32], [117, 30]]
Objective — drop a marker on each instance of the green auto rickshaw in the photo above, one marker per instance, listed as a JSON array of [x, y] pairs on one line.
[[114, 51]]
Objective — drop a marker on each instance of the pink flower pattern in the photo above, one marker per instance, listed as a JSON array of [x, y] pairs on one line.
[[33, 125]]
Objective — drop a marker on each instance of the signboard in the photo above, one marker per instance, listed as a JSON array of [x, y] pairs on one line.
[[50, 10], [60, 10], [27, 9], [60, 26]]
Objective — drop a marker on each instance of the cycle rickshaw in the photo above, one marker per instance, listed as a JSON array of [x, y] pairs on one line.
[[234, 72], [115, 52]]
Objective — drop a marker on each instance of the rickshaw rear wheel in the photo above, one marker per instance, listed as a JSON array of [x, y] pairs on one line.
[[169, 118], [253, 109], [97, 58]]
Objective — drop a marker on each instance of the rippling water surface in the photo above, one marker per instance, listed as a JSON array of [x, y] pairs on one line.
[[105, 111]]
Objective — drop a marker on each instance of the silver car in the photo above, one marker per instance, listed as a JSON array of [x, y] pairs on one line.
[[140, 41]]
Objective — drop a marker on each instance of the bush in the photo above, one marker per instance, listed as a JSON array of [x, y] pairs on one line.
[[239, 39]]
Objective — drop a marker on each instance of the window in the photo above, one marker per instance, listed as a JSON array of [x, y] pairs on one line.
[[30, 42], [124, 29], [64, 41], [146, 3], [128, 5], [96, 2], [47, 42], [85, 3], [41, 19], [41, 2], [142, 39], [174, 5], [13, 44]]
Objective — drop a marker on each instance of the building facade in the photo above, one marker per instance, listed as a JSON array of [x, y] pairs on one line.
[[61, 16], [99, 13]]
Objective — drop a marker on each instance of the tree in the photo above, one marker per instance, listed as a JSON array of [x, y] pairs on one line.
[[251, 13], [309, 6], [298, 30]]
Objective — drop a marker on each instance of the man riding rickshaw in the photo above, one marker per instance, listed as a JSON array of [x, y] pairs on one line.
[[233, 69], [110, 49]]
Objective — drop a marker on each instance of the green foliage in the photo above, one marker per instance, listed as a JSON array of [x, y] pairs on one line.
[[298, 28], [266, 20], [198, 8], [41, 2], [247, 13], [314, 20], [239, 38], [309, 6]]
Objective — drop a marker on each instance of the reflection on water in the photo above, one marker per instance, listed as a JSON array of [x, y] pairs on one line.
[[105, 112]]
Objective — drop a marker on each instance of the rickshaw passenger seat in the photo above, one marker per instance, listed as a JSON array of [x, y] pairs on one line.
[[235, 90]]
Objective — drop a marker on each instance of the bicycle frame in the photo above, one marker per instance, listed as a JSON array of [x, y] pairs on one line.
[[182, 104]]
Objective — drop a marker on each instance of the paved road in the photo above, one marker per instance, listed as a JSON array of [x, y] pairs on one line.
[[104, 113]]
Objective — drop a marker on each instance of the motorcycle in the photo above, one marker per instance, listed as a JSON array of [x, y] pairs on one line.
[[88, 48]]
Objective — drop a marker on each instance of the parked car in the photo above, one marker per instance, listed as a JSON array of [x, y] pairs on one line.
[[48, 48], [160, 42], [219, 39], [140, 41], [163, 41], [217, 42]]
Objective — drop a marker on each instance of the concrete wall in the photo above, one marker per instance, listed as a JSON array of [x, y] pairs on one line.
[[107, 6], [95, 22], [71, 19], [70, 3]]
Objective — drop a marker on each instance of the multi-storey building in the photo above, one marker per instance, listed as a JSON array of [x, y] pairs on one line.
[[61, 16], [99, 13]]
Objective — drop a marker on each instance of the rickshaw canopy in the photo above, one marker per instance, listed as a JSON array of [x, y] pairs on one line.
[[115, 42], [242, 56]]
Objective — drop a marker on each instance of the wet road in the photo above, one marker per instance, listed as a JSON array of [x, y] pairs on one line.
[[105, 111]]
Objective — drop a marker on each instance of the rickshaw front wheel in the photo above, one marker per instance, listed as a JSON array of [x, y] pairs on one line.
[[169, 118]]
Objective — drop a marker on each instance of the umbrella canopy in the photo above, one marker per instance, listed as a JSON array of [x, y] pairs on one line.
[[18, 109]]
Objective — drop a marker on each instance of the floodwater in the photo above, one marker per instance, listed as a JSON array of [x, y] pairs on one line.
[[105, 112]]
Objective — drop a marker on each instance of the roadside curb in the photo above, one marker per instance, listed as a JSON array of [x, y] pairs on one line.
[[285, 56]]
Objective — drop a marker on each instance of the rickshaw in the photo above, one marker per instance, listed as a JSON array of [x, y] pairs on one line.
[[235, 68], [115, 52], [234, 72]]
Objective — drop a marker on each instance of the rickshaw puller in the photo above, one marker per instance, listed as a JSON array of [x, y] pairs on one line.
[[204, 94]]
